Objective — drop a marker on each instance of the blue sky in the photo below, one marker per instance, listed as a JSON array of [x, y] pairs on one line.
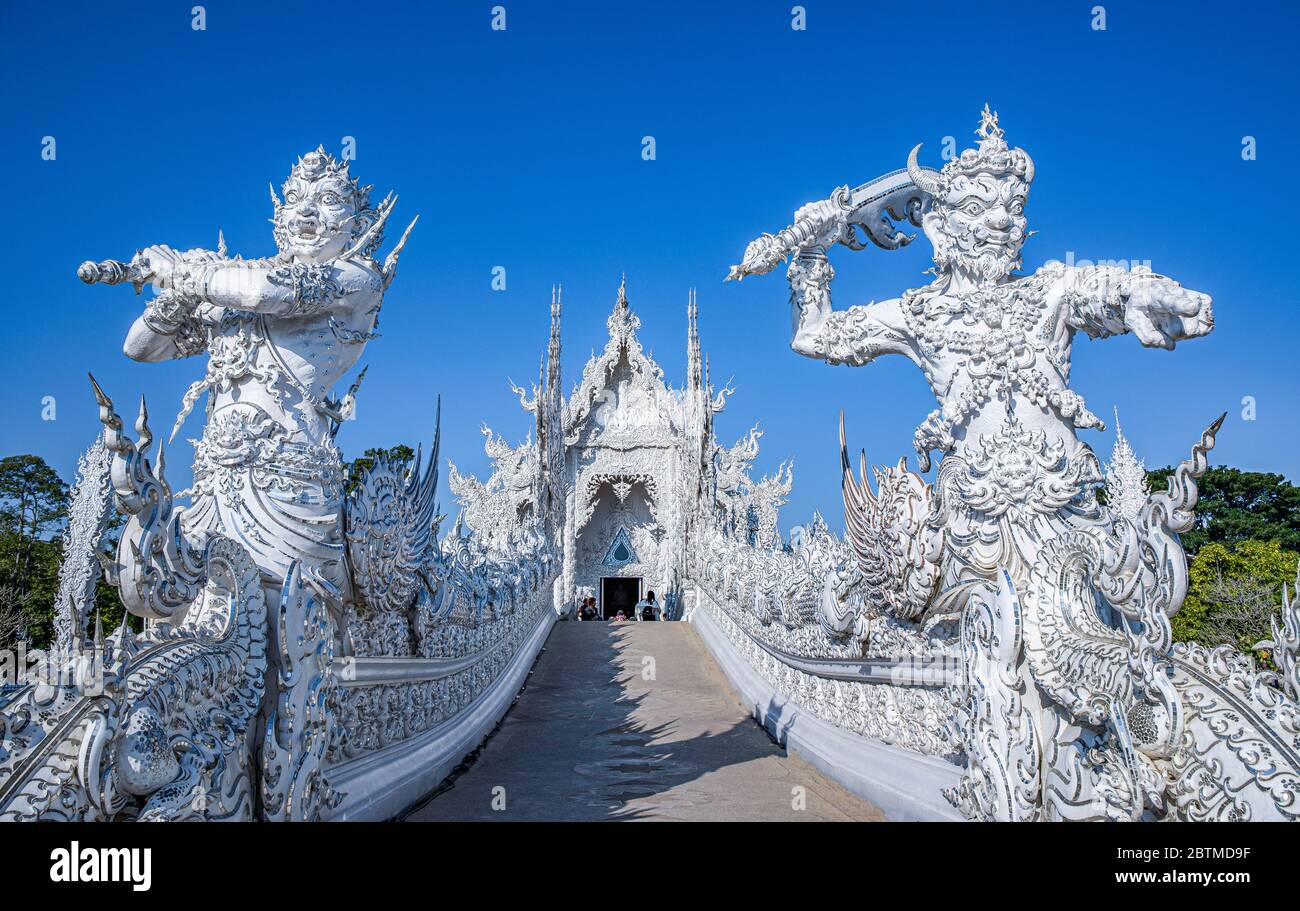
[[522, 149]]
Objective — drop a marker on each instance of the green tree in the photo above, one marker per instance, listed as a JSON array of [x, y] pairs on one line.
[[33, 506], [1237, 505], [13, 624], [401, 452], [33, 510], [1232, 591]]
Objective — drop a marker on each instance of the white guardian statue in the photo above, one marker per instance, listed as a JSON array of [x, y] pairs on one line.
[[278, 333], [1072, 702], [275, 601]]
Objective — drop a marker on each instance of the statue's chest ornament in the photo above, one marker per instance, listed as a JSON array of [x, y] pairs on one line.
[[233, 351], [240, 350], [995, 342], [995, 326]]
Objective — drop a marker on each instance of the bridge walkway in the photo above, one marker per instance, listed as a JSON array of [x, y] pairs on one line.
[[634, 721]]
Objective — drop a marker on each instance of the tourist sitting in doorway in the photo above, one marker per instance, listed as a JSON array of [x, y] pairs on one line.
[[647, 608], [620, 617], [588, 609]]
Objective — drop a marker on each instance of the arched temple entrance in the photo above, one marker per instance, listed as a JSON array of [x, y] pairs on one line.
[[619, 593]]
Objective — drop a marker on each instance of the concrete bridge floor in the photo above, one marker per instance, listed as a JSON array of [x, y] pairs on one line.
[[634, 721]]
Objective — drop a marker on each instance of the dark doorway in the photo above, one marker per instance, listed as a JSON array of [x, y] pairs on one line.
[[619, 595]]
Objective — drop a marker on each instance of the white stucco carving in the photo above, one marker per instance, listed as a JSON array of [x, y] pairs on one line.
[[637, 462], [272, 578], [313, 649], [1069, 700], [1126, 478], [89, 510]]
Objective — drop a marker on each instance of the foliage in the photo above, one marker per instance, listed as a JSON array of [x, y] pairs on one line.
[[1237, 505], [33, 510], [1241, 613], [1244, 545], [401, 453], [33, 498], [33, 505], [12, 623], [1232, 591]]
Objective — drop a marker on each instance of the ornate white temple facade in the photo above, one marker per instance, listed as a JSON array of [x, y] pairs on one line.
[[631, 460]]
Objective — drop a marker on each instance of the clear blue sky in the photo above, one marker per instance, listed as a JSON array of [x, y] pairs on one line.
[[523, 149]]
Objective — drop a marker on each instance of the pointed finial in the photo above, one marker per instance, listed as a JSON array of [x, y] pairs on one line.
[[1126, 485], [123, 650], [142, 428], [107, 416], [622, 291], [390, 261]]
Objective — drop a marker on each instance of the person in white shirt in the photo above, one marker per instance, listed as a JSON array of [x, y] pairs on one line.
[[648, 608]]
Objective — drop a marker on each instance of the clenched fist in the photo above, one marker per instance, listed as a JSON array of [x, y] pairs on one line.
[[1160, 311]]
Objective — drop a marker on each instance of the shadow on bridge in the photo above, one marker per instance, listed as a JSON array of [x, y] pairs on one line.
[[633, 721]]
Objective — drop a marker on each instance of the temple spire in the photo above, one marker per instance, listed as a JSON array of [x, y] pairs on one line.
[[1126, 478], [622, 322], [695, 374], [553, 347]]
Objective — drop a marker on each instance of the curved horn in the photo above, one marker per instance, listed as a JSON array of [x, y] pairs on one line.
[[927, 182], [1029, 167]]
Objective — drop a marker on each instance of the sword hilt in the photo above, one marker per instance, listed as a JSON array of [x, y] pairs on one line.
[[113, 272]]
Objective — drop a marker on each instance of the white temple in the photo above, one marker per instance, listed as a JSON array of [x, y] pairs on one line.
[[992, 645], [636, 457]]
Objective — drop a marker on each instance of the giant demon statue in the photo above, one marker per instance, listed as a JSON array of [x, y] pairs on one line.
[[1074, 704], [270, 571], [279, 333], [987, 339]]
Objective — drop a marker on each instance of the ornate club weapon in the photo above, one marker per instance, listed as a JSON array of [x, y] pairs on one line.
[[873, 206], [114, 272]]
